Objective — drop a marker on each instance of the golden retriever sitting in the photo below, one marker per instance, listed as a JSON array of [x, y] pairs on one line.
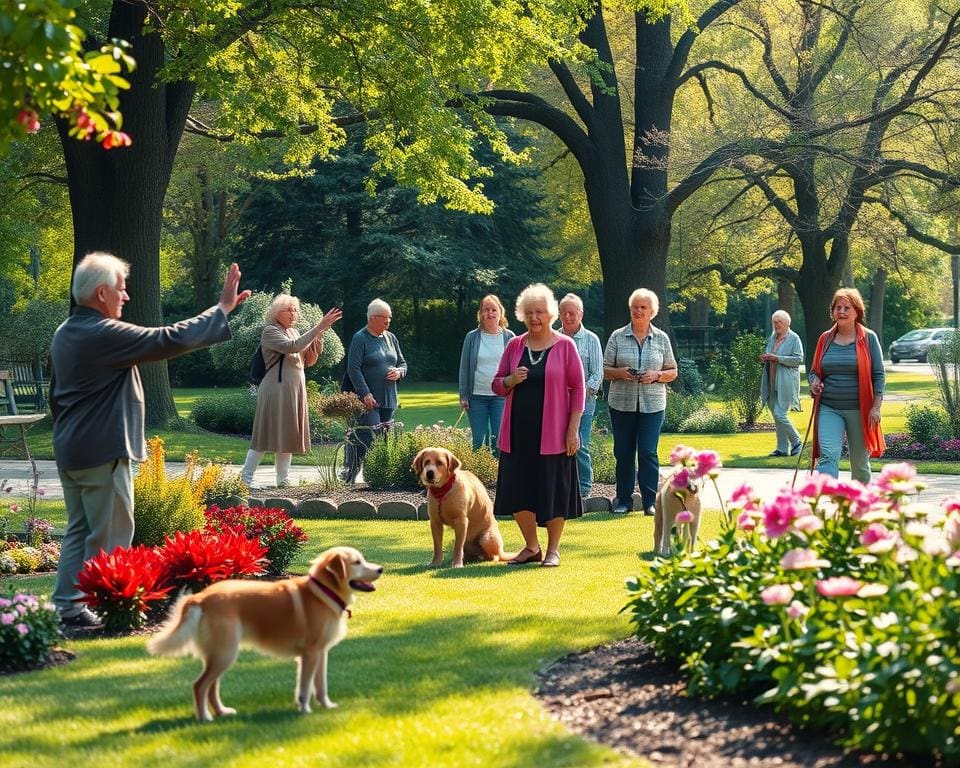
[[671, 501], [457, 498], [304, 617]]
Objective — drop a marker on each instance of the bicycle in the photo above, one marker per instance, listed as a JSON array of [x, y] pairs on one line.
[[354, 444]]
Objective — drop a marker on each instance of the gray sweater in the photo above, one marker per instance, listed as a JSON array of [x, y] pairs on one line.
[[368, 359]]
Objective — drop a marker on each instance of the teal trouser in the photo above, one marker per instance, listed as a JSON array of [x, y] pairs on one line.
[[99, 504], [831, 425]]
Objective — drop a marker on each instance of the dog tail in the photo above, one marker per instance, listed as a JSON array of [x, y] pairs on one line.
[[504, 557], [178, 630]]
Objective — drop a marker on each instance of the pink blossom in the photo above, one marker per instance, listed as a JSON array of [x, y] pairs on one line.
[[843, 490], [681, 478], [708, 464], [746, 522], [41, 491], [744, 497], [877, 538], [23, 629], [899, 479], [29, 120], [808, 523], [813, 486], [14, 507], [681, 454], [780, 513], [951, 527], [801, 560], [838, 586], [797, 610], [778, 594], [951, 504], [7, 618], [684, 516], [116, 139]]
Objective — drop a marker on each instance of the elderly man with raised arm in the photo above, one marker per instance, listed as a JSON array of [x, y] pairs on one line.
[[98, 410]]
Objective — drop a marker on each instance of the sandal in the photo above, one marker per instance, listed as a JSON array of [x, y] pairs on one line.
[[531, 557]]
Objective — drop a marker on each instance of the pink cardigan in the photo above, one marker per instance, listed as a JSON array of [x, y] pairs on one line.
[[563, 391]]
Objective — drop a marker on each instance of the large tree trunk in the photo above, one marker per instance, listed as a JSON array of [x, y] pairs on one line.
[[878, 290], [816, 285], [116, 196]]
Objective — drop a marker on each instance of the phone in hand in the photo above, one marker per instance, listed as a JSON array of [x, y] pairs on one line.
[[633, 372]]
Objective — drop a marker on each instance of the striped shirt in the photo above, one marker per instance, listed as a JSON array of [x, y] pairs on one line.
[[591, 355], [656, 354]]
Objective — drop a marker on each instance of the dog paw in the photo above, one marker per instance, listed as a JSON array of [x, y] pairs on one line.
[[305, 708], [327, 704], [457, 564], [227, 711]]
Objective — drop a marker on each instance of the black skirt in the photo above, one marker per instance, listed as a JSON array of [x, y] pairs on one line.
[[546, 484]]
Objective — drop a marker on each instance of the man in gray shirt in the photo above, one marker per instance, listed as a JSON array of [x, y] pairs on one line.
[[591, 355], [96, 399]]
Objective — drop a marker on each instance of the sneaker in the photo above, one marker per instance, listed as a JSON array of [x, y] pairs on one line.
[[621, 509], [796, 448], [650, 511], [85, 619]]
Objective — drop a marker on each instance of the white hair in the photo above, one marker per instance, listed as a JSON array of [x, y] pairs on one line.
[[781, 314], [646, 293], [377, 307], [280, 302], [537, 292], [96, 269], [573, 299]]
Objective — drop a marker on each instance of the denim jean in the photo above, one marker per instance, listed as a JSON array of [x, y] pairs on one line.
[[831, 426], [787, 435], [485, 414], [584, 462], [635, 439]]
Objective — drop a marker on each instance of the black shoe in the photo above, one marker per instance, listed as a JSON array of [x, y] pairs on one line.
[[85, 619], [796, 448], [777, 453]]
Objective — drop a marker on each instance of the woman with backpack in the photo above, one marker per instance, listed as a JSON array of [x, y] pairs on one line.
[[281, 423]]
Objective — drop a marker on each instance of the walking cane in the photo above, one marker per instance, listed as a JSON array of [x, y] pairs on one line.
[[813, 415]]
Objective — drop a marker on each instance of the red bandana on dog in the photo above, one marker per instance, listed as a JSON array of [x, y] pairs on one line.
[[443, 490]]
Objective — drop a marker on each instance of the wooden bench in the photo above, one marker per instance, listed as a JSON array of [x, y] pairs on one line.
[[24, 390]]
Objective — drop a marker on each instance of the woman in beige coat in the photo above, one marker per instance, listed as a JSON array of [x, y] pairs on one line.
[[281, 423]]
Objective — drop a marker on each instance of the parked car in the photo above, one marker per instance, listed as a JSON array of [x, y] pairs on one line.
[[915, 345]]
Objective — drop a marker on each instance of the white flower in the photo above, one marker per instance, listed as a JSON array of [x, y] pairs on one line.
[[884, 620], [888, 648]]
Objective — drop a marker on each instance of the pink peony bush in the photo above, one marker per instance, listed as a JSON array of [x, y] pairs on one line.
[[835, 602]]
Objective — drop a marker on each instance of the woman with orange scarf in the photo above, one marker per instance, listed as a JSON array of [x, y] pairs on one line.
[[847, 379]]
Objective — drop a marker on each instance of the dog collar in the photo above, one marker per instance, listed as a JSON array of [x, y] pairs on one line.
[[332, 595], [443, 490]]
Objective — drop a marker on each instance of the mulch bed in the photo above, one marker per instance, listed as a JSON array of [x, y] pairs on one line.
[[623, 696]]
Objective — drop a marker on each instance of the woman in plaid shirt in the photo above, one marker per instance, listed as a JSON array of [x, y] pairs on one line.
[[639, 363]]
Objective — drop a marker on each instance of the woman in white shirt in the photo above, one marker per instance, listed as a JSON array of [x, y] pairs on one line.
[[482, 349]]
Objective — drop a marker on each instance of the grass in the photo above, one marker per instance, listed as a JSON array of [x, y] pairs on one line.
[[438, 669]]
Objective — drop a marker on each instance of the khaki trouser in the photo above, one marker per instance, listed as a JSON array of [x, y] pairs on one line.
[[99, 504]]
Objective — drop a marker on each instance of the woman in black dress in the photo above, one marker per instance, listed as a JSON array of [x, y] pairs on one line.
[[541, 376]]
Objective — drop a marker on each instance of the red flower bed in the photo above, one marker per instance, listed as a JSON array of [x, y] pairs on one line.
[[196, 559], [271, 526], [121, 585]]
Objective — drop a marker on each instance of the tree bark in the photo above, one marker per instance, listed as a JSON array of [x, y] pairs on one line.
[[116, 196], [878, 289]]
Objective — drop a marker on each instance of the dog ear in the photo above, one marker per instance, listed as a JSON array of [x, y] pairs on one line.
[[337, 566], [418, 462], [453, 461]]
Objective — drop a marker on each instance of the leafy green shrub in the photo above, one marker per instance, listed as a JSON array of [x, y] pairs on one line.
[[738, 376], [837, 602], [926, 422], [679, 408], [709, 421], [601, 456], [689, 381], [388, 462], [29, 630], [226, 412], [162, 505]]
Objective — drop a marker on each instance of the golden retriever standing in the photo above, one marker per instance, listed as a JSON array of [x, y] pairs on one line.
[[671, 501], [457, 498], [303, 617]]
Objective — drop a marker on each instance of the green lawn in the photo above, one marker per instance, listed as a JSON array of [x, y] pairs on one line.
[[438, 669]]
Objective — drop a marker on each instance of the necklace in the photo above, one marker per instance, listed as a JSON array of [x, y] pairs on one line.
[[536, 360]]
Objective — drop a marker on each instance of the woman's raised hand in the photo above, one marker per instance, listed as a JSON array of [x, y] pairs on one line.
[[330, 317]]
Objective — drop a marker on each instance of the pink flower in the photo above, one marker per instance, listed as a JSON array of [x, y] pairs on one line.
[[843, 490], [23, 629], [41, 491], [899, 479], [779, 514], [29, 120], [778, 594], [681, 479], [802, 560], [14, 507], [808, 523], [116, 139], [708, 464], [797, 610], [838, 586], [744, 497], [746, 521], [877, 538], [684, 516], [7, 618], [681, 454]]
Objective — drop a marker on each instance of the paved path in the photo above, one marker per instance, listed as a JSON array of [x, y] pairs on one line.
[[766, 481]]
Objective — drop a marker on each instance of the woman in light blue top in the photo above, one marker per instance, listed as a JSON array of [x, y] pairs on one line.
[[780, 382], [482, 349]]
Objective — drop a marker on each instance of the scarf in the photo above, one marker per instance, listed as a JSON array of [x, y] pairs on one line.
[[872, 434]]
